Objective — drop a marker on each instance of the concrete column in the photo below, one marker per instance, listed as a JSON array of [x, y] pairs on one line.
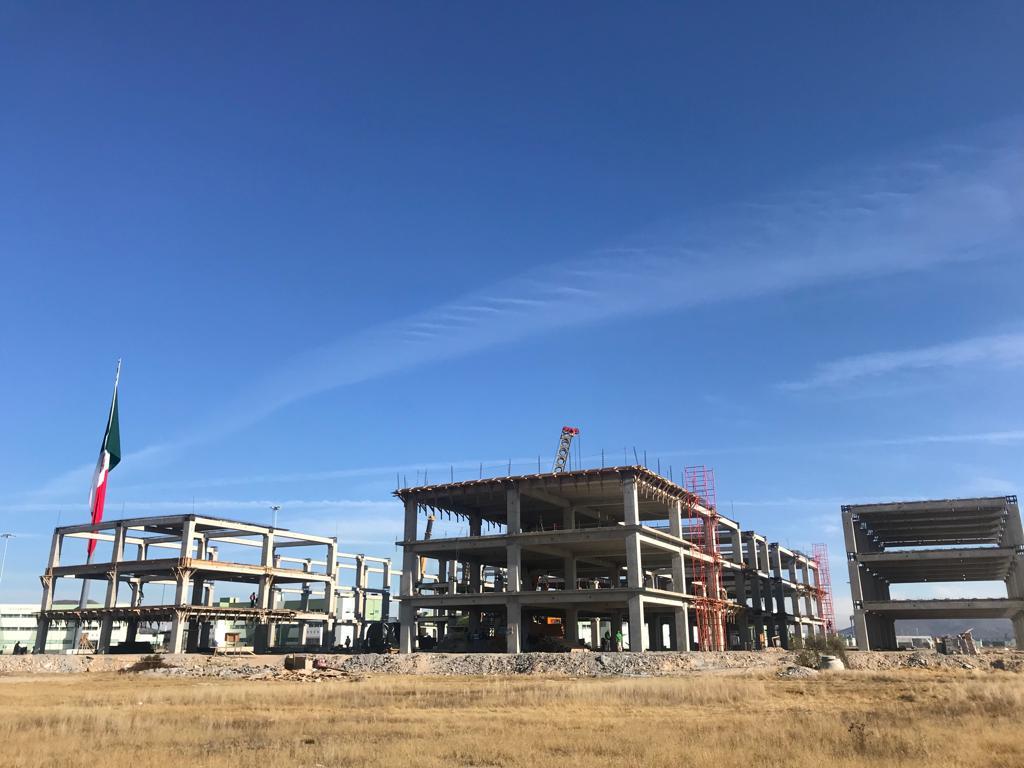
[[46, 604], [183, 579], [514, 567], [779, 590], [743, 617], [453, 577], [360, 590], [630, 501], [569, 518], [188, 533], [110, 599], [675, 519], [475, 579], [736, 545], [513, 511], [818, 606], [570, 574], [795, 593], [860, 626], [1018, 629], [1013, 536], [757, 609], [631, 512], [43, 622], [749, 544], [679, 571], [514, 627], [634, 562], [176, 642], [120, 533], [809, 593], [475, 622], [131, 632], [265, 634], [681, 621], [595, 633], [327, 638], [307, 567], [572, 625], [406, 612], [636, 623]]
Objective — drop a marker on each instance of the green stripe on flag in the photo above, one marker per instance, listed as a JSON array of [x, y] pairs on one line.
[[112, 440]]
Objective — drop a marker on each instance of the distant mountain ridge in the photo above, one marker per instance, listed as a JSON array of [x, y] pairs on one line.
[[984, 629]]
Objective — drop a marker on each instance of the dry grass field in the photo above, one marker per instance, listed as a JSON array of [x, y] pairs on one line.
[[852, 719]]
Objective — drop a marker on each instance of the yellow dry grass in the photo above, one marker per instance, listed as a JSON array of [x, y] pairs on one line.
[[852, 719]]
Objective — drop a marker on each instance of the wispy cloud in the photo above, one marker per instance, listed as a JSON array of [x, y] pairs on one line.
[[946, 203], [949, 203], [377, 524], [463, 469], [205, 506], [1000, 350]]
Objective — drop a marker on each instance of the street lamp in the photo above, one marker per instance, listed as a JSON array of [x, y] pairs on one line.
[[3, 560], [275, 509]]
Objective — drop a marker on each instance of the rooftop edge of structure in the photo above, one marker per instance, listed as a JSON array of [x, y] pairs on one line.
[[978, 503], [638, 471], [155, 521]]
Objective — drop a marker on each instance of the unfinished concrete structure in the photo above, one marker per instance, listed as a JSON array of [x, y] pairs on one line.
[[932, 541], [370, 592], [613, 544], [183, 552]]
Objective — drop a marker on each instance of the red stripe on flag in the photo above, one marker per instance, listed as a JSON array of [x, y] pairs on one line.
[[99, 497]]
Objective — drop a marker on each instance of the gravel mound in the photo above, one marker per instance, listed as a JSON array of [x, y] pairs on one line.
[[357, 666], [795, 671]]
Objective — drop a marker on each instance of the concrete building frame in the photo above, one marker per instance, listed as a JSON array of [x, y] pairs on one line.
[[192, 568], [951, 540], [610, 545]]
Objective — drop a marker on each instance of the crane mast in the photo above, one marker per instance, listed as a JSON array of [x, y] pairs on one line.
[[564, 444]]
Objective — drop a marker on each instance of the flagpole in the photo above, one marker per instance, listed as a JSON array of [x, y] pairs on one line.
[[83, 600]]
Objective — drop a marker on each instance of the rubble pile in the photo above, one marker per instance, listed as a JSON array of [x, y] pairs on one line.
[[357, 666]]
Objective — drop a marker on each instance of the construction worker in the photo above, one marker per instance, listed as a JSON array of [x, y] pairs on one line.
[[606, 641], [618, 641]]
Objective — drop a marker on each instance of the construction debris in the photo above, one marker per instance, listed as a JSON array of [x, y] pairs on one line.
[[357, 666]]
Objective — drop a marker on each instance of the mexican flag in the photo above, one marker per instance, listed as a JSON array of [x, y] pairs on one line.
[[110, 457]]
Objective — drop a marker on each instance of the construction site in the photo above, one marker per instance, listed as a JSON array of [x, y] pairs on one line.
[[601, 559], [601, 594], [570, 557], [919, 542], [194, 557]]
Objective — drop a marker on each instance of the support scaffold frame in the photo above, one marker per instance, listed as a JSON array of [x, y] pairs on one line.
[[710, 609], [828, 612]]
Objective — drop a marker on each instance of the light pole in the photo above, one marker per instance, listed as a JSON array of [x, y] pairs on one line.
[[275, 509], [3, 560]]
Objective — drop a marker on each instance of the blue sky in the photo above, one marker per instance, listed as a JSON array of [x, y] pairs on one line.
[[343, 243]]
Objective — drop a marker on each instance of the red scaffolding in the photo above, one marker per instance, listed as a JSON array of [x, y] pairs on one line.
[[709, 607], [828, 612]]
